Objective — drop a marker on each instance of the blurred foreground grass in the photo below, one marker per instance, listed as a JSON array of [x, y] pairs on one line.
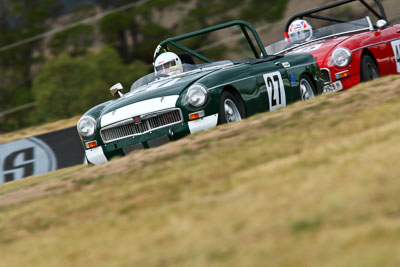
[[314, 184]]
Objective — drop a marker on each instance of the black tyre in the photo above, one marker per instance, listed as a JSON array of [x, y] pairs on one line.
[[307, 90], [230, 109], [369, 70]]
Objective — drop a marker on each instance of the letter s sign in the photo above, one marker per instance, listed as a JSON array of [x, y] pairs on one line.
[[24, 158]]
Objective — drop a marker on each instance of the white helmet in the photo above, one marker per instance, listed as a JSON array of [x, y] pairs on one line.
[[168, 63], [300, 30]]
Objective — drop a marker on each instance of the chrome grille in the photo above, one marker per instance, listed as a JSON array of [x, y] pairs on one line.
[[326, 74], [148, 123]]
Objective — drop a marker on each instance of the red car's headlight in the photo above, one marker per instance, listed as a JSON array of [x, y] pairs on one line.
[[341, 57]]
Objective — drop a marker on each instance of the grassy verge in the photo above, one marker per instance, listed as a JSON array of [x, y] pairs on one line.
[[314, 184]]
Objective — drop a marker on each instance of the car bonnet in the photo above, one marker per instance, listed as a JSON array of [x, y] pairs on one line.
[[151, 97], [321, 50]]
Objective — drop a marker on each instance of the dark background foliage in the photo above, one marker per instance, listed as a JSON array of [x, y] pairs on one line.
[[66, 72]]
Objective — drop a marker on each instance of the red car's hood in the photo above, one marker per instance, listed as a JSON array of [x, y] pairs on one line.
[[321, 50]]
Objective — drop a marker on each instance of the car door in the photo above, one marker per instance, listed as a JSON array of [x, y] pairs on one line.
[[393, 35], [385, 46]]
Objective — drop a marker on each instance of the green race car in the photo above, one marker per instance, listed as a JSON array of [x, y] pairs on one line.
[[189, 92]]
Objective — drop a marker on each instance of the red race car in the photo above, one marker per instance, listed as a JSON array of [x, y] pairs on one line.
[[346, 51]]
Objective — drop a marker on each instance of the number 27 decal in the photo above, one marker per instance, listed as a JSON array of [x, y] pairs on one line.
[[396, 51], [276, 90]]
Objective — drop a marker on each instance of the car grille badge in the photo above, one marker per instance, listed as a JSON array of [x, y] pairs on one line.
[[137, 120]]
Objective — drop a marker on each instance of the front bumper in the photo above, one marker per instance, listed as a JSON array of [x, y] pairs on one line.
[[151, 139], [339, 83], [342, 84]]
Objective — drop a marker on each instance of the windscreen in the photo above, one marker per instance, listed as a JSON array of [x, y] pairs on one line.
[[188, 69], [321, 33]]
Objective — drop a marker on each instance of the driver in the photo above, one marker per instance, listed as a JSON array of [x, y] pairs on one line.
[[300, 31], [168, 63]]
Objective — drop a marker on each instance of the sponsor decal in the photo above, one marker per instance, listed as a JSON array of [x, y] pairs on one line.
[[308, 48], [396, 51], [161, 84], [276, 90], [292, 79], [296, 25], [24, 158]]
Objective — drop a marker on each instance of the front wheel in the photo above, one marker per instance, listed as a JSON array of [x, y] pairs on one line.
[[306, 88], [369, 70], [230, 109]]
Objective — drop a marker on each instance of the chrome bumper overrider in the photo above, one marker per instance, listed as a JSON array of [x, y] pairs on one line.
[[203, 123], [96, 155]]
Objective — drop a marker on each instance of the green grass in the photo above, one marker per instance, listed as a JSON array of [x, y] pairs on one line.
[[318, 186]]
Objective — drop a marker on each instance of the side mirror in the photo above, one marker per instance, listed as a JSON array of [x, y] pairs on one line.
[[116, 88], [380, 24]]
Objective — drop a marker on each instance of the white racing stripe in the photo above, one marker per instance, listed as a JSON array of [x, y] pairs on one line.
[[139, 108]]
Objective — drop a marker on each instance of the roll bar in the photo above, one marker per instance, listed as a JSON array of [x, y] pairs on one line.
[[380, 13], [244, 26]]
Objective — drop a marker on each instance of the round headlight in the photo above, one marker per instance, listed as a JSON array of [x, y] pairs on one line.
[[196, 95], [341, 57], [86, 126]]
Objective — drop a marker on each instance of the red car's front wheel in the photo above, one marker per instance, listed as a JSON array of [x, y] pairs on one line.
[[369, 70]]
